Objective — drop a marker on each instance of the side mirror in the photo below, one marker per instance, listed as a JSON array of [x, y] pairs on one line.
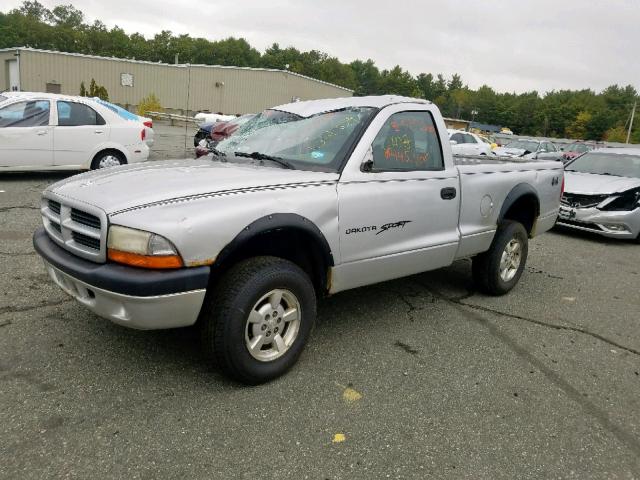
[[453, 142], [367, 163]]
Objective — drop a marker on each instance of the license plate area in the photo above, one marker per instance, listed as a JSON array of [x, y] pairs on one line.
[[567, 213]]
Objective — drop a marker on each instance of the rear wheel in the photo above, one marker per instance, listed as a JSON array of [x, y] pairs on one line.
[[258, 319], [108, 158], [498, 270]]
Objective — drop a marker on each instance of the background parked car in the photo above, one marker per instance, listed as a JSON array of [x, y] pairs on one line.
[[575, 149], [602, 193], [213, 117], [221, 131], [528, 148], [467, 143], [44, 131], [217, 131]]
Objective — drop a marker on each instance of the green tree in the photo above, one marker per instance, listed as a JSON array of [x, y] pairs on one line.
[[150, 103], [96, 90], [399, 82], [367, 77], [616, 134], [578, 128]]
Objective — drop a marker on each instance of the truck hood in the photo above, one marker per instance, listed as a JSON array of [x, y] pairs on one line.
[[593, 184], [137, 185]]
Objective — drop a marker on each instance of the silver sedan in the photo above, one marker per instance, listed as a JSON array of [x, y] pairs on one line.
[[602, 193]]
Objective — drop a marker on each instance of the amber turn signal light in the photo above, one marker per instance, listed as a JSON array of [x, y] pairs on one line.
[[145, 261]]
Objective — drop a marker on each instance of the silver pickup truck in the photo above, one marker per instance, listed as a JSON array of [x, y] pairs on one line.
[[307, 199]]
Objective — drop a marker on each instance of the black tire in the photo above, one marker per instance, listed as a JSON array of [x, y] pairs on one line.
[[486, 266], [224, 317], [108, 155], [199, 136]]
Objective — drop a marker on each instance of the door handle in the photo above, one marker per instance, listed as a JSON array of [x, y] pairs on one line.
[[98, 132], [448, 193], [41, 132]]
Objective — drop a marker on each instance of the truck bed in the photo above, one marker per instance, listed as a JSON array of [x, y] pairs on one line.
[[485, 183], [460, 160]]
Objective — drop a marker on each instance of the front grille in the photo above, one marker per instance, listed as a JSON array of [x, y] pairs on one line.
[[54, 207], [85, 218], [582, 201], [85, 240], [78, 228]]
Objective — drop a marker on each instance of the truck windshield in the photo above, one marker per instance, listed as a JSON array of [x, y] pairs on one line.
[[607, 164], [318, 142]]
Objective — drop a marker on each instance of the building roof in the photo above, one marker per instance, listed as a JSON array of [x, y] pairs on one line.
[[485, 127], [313, 107], [180, 65]]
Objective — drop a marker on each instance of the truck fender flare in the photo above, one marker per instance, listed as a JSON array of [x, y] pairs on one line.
[[516, 193], [278, 221]]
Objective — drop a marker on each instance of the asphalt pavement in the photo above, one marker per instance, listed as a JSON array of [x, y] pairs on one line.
[[416, 378]]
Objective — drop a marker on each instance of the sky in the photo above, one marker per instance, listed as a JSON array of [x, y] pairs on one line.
[[510, 45]]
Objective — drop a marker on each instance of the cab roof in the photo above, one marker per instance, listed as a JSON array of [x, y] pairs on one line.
[[313, 107]]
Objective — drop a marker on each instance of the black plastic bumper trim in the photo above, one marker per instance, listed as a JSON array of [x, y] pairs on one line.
[[136, 282]]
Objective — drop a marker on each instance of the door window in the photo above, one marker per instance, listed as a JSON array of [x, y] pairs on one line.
[[33, 113], [469, 138], [407, 141], [458, 138], [71, 114]]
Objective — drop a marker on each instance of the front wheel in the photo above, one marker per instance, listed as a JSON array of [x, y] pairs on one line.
[[258, 319], [498, 270]]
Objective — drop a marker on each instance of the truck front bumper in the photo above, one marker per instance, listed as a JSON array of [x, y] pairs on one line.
[[132, 297]]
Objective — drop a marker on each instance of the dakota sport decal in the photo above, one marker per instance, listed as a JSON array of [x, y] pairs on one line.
[[378, 230]]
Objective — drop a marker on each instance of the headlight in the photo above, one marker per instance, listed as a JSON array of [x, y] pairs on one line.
[[623, 202], [141, 249]]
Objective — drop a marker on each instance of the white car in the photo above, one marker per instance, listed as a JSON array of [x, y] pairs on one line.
[[204, 117], [45, 131], [467, 143]]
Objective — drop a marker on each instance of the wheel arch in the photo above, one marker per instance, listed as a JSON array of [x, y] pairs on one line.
[[285, 235], [522, 204]]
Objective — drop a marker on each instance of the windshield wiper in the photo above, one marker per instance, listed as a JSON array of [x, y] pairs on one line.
[[264, 156], [216, 152]]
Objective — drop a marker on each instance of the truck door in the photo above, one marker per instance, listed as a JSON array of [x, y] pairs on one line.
[[399, 202]]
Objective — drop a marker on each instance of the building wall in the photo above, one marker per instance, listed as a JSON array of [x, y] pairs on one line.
[[456, 123], [179, 87], [4, 69]]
